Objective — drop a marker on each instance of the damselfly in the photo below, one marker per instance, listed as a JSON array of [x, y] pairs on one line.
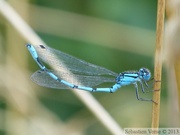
[[84, 75]]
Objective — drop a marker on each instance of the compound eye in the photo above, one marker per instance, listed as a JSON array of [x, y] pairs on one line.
[[145, 74], [141, 71]]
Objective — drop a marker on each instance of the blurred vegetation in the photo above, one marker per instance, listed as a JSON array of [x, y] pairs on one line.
[[122, 38]]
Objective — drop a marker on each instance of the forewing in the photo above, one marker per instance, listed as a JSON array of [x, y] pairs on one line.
[[61, 61]]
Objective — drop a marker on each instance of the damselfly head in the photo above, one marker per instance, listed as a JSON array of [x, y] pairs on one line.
[[144, 74]]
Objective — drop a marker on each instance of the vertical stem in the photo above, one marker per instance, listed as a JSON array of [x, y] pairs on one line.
[[158, 62]]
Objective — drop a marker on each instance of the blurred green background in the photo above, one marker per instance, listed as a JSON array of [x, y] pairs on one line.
[[118, 35]]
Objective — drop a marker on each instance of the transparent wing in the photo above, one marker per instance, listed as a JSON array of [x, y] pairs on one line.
[[59, 61], [43, 79]]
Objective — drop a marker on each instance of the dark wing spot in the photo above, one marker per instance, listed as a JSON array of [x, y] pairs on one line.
[[39, 72], [42, 46]]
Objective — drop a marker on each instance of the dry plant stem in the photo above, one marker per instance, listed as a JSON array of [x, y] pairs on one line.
[[177, 73], [158, 62]]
